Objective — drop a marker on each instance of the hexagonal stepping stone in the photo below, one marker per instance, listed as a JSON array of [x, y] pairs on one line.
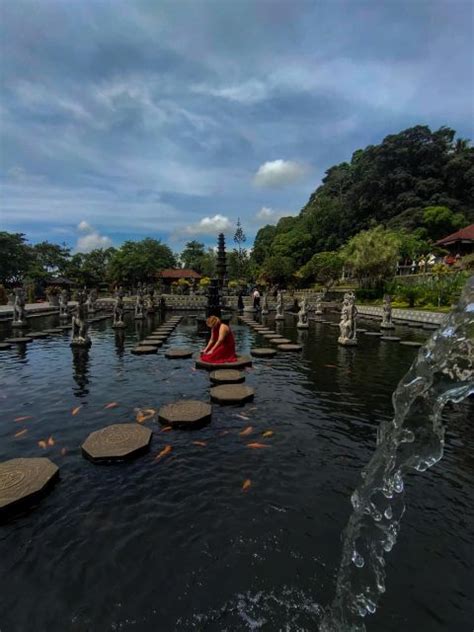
[[241, 363], [150, 342], [390, 338], [290, 347], [54, 330], [116, 442], [270, 335], [262, 352], [65, 327], [144, 350], [279, 340], [374, 333], [19, 340], [361, 330], [38, 335], [177, 353], [23, 481], [232, 394], [227, 376], [4, 346], [188, 413], [411, 343]]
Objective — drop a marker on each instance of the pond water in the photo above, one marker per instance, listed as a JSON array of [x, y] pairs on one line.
[[175, 544]]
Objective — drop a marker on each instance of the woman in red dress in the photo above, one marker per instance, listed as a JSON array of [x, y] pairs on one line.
[[221, 346]]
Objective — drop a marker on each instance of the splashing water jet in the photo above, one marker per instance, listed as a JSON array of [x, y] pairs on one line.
[[414, 439]]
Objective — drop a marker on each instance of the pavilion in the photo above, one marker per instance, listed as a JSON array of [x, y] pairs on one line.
[[461, 242]]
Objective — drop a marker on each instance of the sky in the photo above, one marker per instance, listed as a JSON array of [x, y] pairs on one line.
[[147, 118]]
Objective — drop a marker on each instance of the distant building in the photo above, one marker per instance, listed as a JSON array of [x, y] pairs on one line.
[[459, 243], [171, 275]]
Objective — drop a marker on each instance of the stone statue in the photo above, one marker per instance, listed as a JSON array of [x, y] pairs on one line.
[[150, 303], [265, 309], [302, 316], [139, 303], [80, 326], [387, 313], [63, 301], [348, 323], [19, 312], [118, 309], [279, 307], [319, 305], [92, 302]]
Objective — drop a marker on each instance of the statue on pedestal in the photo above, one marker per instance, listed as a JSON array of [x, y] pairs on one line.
[[150, 302], [118, 309], [63, 301], [92, 302], [319, 305], [139, 303], [19, 312], [302, 316], [279, 307], [265, 309], [348, 323], [80, 337], [387, 313]]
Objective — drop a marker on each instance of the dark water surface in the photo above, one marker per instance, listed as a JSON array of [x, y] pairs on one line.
[[175, 544]]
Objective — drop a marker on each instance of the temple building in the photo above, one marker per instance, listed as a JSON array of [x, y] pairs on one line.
[[459, 243]]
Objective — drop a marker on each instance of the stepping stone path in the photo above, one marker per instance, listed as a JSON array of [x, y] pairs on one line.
[[144, 350], [116, 442], [38, 334], [4, 346], [242, 362], [290, 347], [390, 338], [373, 333], [263, 352], [270, 335], [277, 340], [56, 330], [18, 341], [177, 353], [151, 342], [24, 480], [411, 343], [227, 376], [232, 394], [185, 414]]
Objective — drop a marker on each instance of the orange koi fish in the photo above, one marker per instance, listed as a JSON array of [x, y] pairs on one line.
[[42, 444], [166, 429], [51, 441], [23, 418], [257, 446], [74, 411], [145, 414], [63, 451], [20, 433], [111, 405], [166, 450], [246, 485], [267, 433], [246, 431], [203, 444]]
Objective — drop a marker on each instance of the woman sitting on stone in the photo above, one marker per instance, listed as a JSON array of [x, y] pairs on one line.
[[221, 346]]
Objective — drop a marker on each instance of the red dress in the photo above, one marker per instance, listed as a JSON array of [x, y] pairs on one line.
[[225, 352]]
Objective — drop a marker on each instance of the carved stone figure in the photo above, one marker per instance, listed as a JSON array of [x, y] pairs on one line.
[[387, 313], [80, 326], [92, 302], [150, 302], [139, 303], [63, 301], [118, 309], [265, 309], [302, 316], [319, 305], [19, 312], [348, 323], [279, 307]]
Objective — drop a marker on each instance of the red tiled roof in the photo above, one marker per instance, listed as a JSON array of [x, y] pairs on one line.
[[465, 234], [179, 273]]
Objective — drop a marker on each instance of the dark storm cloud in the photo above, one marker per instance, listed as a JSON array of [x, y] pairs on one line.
[[146, 117]]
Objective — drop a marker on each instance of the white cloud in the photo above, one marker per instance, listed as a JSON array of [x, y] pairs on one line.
[[278, 173], [265, 213], [210, 225], [91, 240], [247, 92], [269, 215]]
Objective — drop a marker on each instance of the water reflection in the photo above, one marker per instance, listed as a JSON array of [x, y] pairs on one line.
[[80, 361], [119, 342]]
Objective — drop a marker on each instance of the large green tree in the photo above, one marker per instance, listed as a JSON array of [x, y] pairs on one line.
[[372, 255], [139, 261], [323, 267], [91, 268], [16, 258], [440, 221], [193, 255]]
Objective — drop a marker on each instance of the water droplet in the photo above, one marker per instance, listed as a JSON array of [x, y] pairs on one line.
[[388, 513], [358, 559]]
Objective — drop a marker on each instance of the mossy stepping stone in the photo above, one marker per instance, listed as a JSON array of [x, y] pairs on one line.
[[227, 376], [148, 342], [277, 340], [55, 330], [144, 350], [116, 442], [374, 333], [411, 343], [178, 353], [185, 414], [4, 346], [23, 481], [232, 394], [240, 363], [290, 347], [430, 327], [19, 341], [270, 335], [261, 352], [38, 334], [390, 338]]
